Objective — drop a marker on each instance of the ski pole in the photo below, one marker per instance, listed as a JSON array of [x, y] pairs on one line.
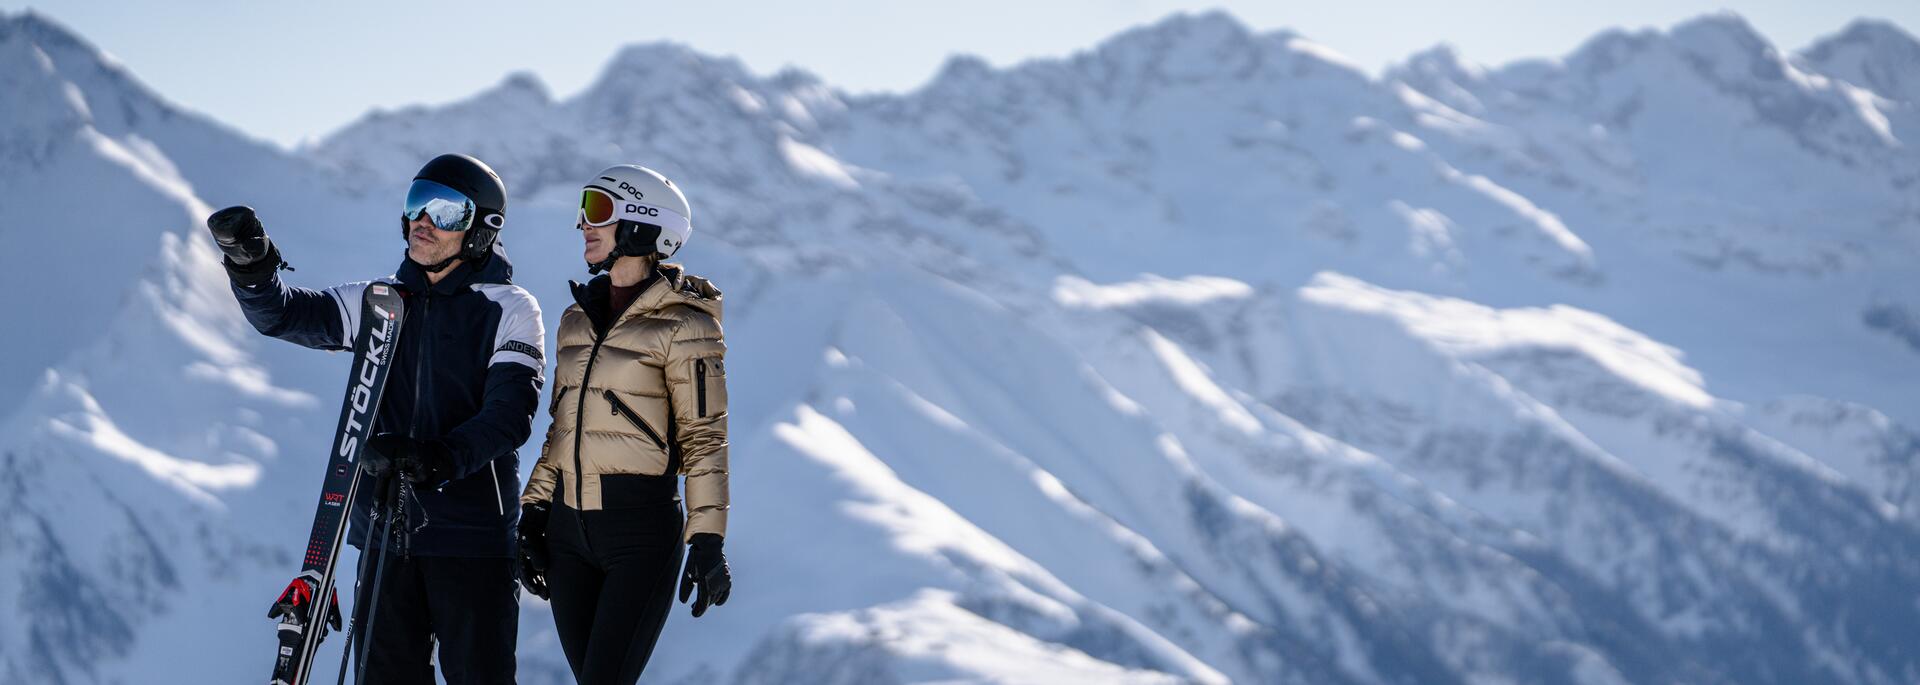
[[388, 501], [353, 622]]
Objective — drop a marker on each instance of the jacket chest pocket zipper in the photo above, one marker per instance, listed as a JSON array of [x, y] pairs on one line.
[[621, 409], [499, 498], [700, 384]]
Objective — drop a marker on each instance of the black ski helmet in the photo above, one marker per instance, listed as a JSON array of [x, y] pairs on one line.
[[476, 180]]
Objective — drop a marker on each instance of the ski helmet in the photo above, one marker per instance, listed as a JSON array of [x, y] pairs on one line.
[[463, 194], [654, 218]]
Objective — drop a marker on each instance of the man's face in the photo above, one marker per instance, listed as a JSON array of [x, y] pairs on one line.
[[429, 245], [599, 240]]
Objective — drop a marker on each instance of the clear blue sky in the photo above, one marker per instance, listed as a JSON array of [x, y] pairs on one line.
[[291, 71]]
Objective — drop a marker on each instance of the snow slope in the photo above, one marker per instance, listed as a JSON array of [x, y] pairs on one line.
[[1199, 356]]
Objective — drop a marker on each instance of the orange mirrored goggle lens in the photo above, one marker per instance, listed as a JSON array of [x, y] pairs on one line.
[[596, 207]]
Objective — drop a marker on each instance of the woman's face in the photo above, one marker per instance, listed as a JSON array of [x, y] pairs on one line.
[[598, 239]]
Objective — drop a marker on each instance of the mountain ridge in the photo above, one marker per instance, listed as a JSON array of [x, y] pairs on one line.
[[1196, 356]]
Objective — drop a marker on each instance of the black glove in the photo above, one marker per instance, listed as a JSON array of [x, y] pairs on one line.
[[251, 255], [707, 569], [533, 547], [422, 462]]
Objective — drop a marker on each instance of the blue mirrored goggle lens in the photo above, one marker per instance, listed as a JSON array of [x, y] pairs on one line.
[[448, 209]]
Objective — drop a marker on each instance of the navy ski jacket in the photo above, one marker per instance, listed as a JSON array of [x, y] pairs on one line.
[[468, 371]]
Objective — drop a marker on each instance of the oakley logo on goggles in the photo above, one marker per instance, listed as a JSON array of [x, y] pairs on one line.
[[599, 208], [446, 208]]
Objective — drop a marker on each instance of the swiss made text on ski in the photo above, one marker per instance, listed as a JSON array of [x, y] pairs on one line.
[[309, 603]]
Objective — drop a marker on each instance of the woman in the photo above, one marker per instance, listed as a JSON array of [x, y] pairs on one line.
[[639, 399]]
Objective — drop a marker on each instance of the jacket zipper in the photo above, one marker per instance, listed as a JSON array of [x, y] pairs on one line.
[[426, 300], [621, 408], [700, 377], [579, 432], [499, 499]]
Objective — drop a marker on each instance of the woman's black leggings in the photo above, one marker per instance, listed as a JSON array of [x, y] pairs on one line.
[[612, 576]]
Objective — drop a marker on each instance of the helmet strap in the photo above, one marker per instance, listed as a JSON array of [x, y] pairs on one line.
[[613, 255], [595, 268], [626, 243], [481, 250], [439, 266]]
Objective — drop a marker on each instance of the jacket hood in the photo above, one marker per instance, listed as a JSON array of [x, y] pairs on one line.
[[676, 286], [671, 285]]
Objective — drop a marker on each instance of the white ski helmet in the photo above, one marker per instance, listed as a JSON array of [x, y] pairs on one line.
[[654, 218]]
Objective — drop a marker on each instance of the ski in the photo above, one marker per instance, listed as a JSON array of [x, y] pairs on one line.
[[300, 607]]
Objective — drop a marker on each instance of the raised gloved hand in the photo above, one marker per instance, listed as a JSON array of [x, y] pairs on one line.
[[533, 547], [422, 462], [251, 256], [707, 570]]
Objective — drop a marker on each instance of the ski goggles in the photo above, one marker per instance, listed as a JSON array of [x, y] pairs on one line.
[[446, 208], [600, 208]]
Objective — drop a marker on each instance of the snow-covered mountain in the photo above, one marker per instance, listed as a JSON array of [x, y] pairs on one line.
[[1198, 356]]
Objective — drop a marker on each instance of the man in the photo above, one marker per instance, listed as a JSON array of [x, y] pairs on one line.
[[459, 402]]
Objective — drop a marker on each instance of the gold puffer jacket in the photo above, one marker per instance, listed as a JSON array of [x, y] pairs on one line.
[[649, 398]]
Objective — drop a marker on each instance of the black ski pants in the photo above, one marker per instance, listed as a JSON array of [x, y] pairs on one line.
[[612, 575], [468, 606]]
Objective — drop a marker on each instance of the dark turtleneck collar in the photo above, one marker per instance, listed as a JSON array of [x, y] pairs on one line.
[[604, 303], [619, 297]]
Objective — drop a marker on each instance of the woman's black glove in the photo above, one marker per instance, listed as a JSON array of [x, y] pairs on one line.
[[533, 547], [422, 462], [251, 256], [707, 570]]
